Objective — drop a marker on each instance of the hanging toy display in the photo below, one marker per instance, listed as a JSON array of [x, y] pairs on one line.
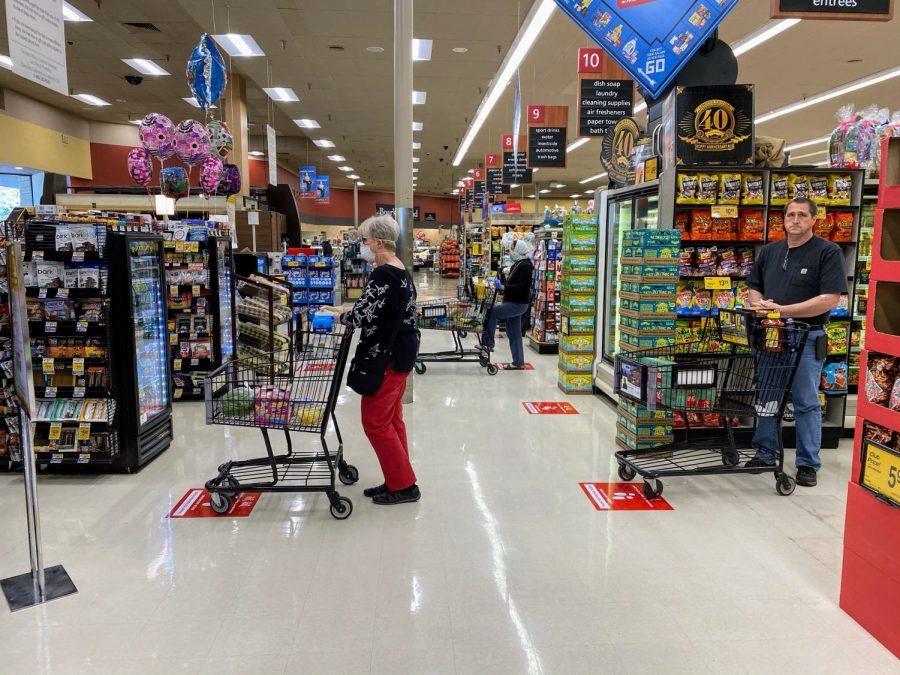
[[231, 180], [158, 136], [140, 166], [173, 182], [220, 138], [210, 174], [191, 142], [206, 73]]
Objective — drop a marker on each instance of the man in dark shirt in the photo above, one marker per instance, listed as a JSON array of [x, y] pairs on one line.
[[802, 277]]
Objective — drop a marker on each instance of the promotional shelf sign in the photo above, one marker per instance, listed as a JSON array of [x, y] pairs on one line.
[[307, 182], [547, 135], [651, 39]]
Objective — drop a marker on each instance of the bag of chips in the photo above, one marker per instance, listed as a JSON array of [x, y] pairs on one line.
[[776, 226], [818, 189], [751, 188], [688, 188], [730, 188], [843, 226], [798, 186], [881, 371], [709, 188], [701, 224], [780, 188], [823, 226], [751, 226], [839, 190]]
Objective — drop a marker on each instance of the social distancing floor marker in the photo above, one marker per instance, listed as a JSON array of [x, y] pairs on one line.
[[528, 366], [549, 408], [195, 504], [622, 497]]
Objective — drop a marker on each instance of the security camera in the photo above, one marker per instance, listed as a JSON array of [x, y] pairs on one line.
[[134, 80]]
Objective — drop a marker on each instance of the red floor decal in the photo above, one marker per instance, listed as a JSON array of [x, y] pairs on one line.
[[195, 504], [528, 366], [549, 408], [622, 497]]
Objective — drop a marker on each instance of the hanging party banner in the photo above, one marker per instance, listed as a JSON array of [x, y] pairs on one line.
[[307, 182], [651, 39], [323, 190]]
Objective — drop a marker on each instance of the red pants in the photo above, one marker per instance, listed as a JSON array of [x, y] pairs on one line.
[[382, 420]]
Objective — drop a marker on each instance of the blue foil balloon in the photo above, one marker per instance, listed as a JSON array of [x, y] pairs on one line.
[[206, 73]]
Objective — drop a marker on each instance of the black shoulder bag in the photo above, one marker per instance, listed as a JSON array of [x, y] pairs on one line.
[[366, 372]]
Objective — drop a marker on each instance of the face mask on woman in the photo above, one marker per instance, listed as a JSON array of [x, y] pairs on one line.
[[366, 253]]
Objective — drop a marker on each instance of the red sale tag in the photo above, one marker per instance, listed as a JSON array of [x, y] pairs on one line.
[[195, 504], [622, 497], [549, 408], [536, 114]]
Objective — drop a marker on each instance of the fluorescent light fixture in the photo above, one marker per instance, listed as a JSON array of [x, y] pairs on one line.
[[877, 78], [145, 67], [805, 144], [90, 99], [353, 176], [421, 49], [323, 143], [514, 185], [577, 144], [337, 158], [256, 153], [282, 94], [347, 169], [592, 178], [360, 184], [239, 45], [532, 26], [72, 14], [419, 97], [417, 126], [766, 32], [810, 154], [307, 124], [417, 146], [575, 196], [5, 61], [640, 107], [416, 160]]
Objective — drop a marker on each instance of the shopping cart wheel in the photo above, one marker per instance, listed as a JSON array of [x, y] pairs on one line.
[[730, 457], [219, 503], [349, 474], [653, 493], [492, 369], [342, 508], [626, 472], [420, 368], [785, 485]]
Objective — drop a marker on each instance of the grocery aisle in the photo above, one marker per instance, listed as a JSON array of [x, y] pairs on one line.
[[503, 567]]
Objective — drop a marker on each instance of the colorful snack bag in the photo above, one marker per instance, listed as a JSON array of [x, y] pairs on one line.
[[818, 189], [683, 223], [823, 226], [839, 190], [709, 188], [751, 226], [701, 224], [730, 188], [798, 186], [843, 226], [776, 226], [688, 188], [751, 188], [780, 188]]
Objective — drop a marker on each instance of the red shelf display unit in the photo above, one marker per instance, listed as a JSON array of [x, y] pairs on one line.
[[870, 582]]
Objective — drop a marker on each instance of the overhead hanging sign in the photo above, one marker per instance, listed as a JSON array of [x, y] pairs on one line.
[[307, 182], [853, 10], [615, 151], [495, 183], [651, 39], [514, 164], [547, 127], [271, 147], [37, 42]]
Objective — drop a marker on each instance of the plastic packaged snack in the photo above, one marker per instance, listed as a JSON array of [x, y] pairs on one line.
[[729, 188], [751, 226], [688, 188], [839, 190], [776, 226], [752, 188], [843, 226], [818, 189], [709, 188], [701, 224], [780, 188], [798, 186], [881, 371]]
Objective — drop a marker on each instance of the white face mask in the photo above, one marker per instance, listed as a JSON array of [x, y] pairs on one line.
[[366, 253]]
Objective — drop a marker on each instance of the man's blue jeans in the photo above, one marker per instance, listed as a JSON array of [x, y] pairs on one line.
[[807, 410], [512, 312]]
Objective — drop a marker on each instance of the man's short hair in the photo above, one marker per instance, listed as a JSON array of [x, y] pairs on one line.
[[813, 209]]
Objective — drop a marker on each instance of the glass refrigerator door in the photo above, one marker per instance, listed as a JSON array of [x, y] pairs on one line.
[[619, 219], [149, 314], [226, 332]]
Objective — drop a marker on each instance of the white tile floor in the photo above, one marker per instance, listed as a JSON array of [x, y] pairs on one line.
[[503, 567]]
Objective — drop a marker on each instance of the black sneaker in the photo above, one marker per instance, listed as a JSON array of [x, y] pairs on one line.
[[375, 491], [410, 494], [757, 463], [806, 476]]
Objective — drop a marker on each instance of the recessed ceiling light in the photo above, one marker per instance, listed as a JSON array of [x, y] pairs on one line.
[[460, 50], [421, 49], [353, 176], [237, 44], [323, 143], [375, 50], [256, 153], [282, 94], [72, 14], [419, 97], [417, 126], [5, 61], [145, 67], [544, 191], [417, 146], [193, 101], [337, 158], [307, 124], [90, 99], [345, 168], [592, 178]]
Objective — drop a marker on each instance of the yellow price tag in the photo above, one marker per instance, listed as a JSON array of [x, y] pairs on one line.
[[55, 431], [725, 211], [881, 472], [78, 365], [84, 432], [48, 366], [717, 283]]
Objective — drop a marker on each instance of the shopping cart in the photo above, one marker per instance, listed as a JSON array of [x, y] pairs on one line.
[[460, 315], [303, 400], [742, 367]]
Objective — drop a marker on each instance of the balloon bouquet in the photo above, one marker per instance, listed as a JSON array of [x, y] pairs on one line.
[[191, 141]]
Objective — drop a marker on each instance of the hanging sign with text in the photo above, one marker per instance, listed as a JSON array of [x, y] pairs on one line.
[[547, 135], [515, 170]]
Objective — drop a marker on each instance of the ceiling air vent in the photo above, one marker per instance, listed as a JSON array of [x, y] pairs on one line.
[[134, 27]]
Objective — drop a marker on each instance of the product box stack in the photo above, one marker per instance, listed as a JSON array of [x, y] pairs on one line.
[[649, 276], [870, 585], [579, 304]]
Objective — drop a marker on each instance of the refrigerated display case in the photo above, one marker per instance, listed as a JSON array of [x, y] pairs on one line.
[[141, 364]]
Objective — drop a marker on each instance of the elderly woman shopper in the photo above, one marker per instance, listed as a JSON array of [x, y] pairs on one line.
[[385, 316], [516, 302]]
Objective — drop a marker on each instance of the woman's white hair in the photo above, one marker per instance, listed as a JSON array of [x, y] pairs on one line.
[[384, 228]]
